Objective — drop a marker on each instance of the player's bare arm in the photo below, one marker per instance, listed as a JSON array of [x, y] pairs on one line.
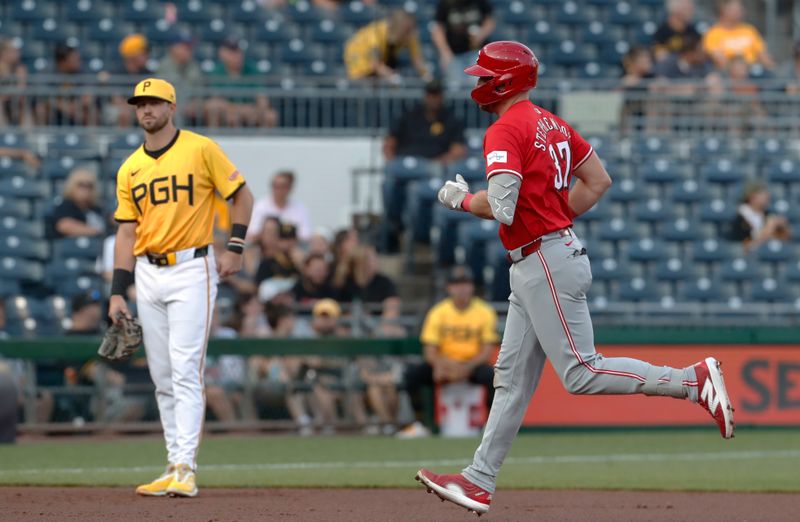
[[124, 262], [230, 262], [592, 181]]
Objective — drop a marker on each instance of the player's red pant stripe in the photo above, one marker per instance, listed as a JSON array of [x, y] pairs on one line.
[[569, 335]]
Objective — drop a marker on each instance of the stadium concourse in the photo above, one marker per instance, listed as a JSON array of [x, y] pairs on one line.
[[683, 152]]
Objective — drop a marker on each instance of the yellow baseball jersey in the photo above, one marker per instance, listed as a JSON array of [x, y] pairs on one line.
[[370, 42], [743, 40], [170, 193], [460, 334]]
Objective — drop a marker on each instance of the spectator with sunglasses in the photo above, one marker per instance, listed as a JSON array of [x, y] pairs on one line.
[[79, 213]]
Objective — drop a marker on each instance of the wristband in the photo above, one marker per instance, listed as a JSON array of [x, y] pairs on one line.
[[120, 281], [467, 202], [236, 241]]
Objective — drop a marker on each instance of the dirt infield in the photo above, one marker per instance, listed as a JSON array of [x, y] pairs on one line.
[[222, 505]]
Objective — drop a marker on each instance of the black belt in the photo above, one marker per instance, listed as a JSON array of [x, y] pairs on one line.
[[170, 259]]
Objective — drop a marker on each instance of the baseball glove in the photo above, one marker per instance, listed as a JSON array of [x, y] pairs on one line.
[[121, 340]]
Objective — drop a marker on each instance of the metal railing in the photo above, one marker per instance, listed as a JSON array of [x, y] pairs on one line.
[[335, 105]]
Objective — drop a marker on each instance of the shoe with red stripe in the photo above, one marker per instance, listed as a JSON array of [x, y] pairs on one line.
[[457, 489], [712, 395]]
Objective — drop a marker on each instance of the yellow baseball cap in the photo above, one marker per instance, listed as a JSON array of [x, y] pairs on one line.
[[327, 307], [132, 45], [153, 88]]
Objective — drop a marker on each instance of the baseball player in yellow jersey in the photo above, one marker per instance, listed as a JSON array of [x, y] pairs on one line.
[[165, 196]]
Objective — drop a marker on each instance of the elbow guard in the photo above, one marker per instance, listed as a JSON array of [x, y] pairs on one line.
[[503, 194]]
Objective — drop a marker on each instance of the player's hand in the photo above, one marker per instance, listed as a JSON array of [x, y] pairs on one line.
[[229, 263], [453, 193], [117, 304]]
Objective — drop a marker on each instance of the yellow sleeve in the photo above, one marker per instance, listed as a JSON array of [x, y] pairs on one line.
[[126, 210], [489, 331], [224, 175], [360, 52], [711, 40], [430, 327]]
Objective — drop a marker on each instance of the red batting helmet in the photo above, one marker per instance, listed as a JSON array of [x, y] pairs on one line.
[[512, 67]]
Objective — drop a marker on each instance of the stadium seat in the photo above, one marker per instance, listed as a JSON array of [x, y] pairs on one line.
[[785, 171], [739, 269], [674, 269], [723, 171], [418, 216], [78, 145], [651, 146], [625, 14], [617, 229], [274, 31], [646, 250], [661, 170], [775, 251], [71, 287], [471, 242], [18, 269], [472, 169], [13, 140], [702, 289], [8, 287], [444, 233], [625, 191], [303, 12], [769, 290], [596, 32], [71, 267], [653, 210], [609, 269], [496, 278], [22, 246], [31, 11], [85, 11], [14, 207], [248, 11], [358, 14], [77, 247], [10, 226], [638, 289], [329, 32], [680, 229], [710, 148], [199, 12], [9, 167], [711, 250], [109, 30], [769, 149], [296, 51], [690, 191], [141, 11], [58, 167], [568, 53], [572, 13]]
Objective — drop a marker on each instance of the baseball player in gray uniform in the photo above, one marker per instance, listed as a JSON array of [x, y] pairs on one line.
[[531, 157]]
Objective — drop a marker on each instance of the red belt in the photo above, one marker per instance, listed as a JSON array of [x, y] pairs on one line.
[[535, 245]]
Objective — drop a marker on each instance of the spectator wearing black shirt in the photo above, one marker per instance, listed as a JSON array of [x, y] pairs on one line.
[[671, 35], [87, 312], [313, 284], [689, 63], [68, 109], [78, 214], [429, 130], [278, 250], [461, 27], [375, 290], [752, 224]]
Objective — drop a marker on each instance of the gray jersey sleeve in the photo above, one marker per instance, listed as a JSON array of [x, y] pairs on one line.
[[503, 194]]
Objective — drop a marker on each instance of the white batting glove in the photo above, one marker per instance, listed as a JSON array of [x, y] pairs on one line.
[[453, 193]]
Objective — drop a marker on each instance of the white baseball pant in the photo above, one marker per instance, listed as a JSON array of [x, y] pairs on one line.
[[175, 304], [548, 318]]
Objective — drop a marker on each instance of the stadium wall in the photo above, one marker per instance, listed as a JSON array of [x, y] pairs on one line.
[[761, 365], [324, 168]]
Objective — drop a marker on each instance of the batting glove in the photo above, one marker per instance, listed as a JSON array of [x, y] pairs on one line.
[[452, 194]]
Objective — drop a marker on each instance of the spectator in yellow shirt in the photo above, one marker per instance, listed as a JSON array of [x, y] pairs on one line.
[[373, 51], [458, 336], [731, 37]]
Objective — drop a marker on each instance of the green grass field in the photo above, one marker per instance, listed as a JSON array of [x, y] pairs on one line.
[[757, 460]]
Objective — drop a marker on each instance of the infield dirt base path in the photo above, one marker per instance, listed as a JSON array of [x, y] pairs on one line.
[[222, 505]]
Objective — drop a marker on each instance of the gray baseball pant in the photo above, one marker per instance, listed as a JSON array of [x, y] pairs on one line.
[[548, 318]]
